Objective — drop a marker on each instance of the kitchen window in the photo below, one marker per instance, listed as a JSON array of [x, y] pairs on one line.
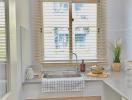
[[71, 26], [2, 32], [3, 50]]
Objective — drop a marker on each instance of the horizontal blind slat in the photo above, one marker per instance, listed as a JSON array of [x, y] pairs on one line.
[[55, 19], [2, 31]]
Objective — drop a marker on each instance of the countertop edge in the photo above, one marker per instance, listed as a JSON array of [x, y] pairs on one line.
[[104, 80]]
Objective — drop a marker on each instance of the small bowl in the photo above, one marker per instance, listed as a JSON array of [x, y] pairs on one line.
[[97, 70]]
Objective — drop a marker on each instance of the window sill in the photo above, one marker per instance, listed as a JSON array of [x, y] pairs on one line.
[[72, 64], [67, 62]]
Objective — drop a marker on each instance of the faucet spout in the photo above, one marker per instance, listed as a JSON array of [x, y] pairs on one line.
[[77, 69]]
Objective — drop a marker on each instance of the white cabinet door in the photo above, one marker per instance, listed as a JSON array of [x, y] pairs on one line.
[[93, 88], [110, 94], [32, 91]]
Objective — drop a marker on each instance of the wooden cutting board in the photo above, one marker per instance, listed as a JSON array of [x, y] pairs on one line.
[[103, 75], [73, 98]]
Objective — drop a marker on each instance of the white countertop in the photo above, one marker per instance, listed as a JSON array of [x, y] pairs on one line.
[[121, 82]]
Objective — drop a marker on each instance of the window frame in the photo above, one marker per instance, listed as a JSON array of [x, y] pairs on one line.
[[7, 46], [70, 32]]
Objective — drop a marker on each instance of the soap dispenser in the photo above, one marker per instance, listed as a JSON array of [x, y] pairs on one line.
[[82, 66]]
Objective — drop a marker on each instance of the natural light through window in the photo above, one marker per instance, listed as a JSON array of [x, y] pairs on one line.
[[2, 32], [63, 36], [84, 28], [56, 34], [3, 63]]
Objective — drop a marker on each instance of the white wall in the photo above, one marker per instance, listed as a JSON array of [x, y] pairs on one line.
[[128, 28], [115, 24], [23, 40], [24, 34]]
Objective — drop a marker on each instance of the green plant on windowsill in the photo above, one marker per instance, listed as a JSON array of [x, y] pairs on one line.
[[116, 48]]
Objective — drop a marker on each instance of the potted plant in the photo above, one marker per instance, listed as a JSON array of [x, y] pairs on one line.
[[116, 66]]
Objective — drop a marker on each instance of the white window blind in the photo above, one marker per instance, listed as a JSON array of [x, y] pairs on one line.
[[2, 31], [56, 33], [3, 64], [84, 31], [71, 27], [37, 36]]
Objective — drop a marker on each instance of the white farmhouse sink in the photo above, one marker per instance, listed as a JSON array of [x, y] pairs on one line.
[[62, 74]]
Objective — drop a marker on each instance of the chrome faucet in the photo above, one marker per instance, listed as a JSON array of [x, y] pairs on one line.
[[77, 69]]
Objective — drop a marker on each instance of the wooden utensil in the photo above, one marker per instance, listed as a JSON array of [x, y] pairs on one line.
[[103, 75]]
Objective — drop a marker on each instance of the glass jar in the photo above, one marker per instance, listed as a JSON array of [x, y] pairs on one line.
[[129, 65], [29, 73]]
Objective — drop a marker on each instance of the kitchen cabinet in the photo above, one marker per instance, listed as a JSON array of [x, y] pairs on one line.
[[110, 94], [92, 88], [31, 90]]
